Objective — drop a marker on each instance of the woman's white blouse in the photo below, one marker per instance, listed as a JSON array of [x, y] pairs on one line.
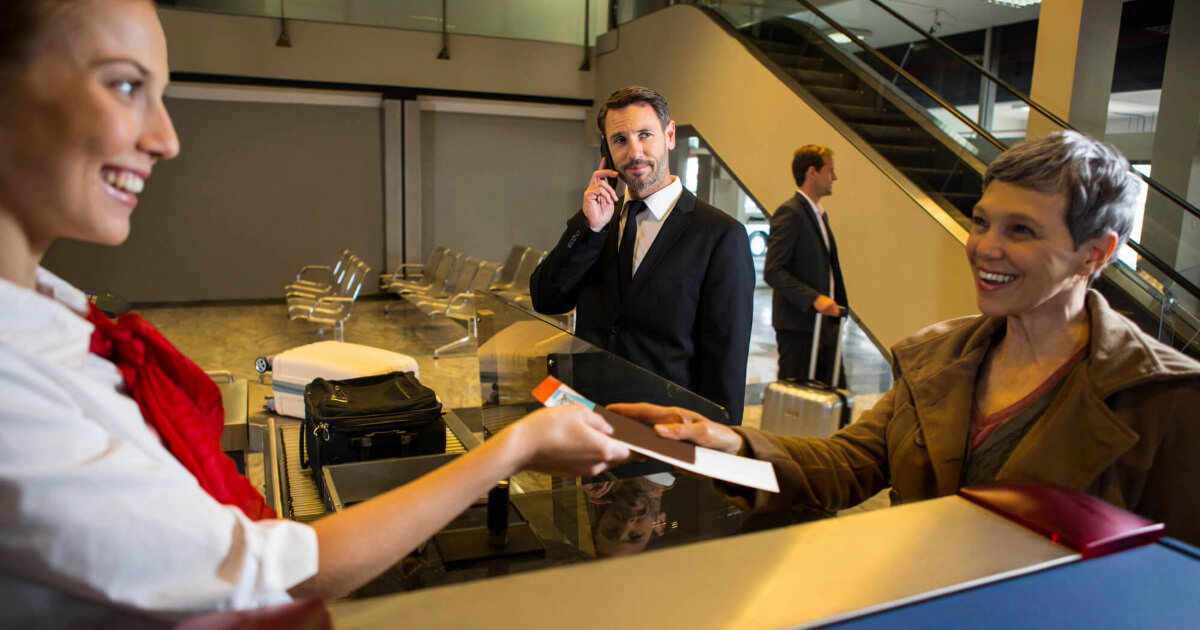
[[92, 506]]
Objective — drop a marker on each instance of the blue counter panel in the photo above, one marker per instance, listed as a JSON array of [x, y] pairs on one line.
[[1156, 586]]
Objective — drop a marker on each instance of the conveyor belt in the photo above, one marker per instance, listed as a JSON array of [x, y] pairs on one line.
[[306, 501]]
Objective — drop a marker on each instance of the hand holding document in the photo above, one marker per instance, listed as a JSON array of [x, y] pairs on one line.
[[642, 439]]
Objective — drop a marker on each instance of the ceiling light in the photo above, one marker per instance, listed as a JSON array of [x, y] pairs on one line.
[[1016, 4], [839, 37]]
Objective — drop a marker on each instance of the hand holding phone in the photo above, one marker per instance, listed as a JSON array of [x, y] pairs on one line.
[[600, 198]]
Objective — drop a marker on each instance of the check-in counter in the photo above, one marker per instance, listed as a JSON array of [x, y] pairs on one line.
[[648, 546]]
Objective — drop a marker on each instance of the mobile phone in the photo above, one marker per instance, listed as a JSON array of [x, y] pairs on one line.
[[608, 162]]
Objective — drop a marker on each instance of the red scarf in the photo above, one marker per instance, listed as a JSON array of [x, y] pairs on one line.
[[180, 401]]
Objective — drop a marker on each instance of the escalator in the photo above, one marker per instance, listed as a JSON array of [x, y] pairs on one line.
[[935, 148], [881, 115]]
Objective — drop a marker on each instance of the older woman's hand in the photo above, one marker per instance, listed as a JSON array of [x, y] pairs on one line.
[[675, 423]]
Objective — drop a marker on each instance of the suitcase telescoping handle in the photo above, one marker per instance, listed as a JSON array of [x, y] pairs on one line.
[[816, 348]]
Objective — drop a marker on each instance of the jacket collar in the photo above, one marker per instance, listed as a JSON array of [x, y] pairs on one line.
[[1079, 435], [49, 323]]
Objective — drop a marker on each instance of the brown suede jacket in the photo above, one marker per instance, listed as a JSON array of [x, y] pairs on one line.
[[1125, 427]]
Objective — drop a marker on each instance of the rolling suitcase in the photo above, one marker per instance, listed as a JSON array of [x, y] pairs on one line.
[[808, 408], [291, 370]]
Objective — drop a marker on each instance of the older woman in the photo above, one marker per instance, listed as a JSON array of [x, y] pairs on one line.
[[93, 506], [1048, 384]]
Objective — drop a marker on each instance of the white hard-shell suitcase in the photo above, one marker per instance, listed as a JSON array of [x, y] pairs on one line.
[[808, 408], [291, 370]]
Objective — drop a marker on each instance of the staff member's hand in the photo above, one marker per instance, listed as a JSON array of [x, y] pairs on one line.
[[599, 199], [675, 423], [565, 440]]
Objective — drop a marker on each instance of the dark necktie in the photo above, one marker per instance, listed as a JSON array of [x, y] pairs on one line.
[[628, 242]]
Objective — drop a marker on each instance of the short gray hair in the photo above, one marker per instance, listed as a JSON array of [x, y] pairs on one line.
[[1101, 191]]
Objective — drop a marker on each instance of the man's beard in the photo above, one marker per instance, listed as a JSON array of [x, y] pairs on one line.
[[638, 186]]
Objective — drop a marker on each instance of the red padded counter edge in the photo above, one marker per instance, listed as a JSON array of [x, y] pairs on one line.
[[301, 615], [1082, 522]]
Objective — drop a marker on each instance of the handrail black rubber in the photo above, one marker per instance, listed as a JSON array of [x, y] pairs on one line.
[[1034, 105]]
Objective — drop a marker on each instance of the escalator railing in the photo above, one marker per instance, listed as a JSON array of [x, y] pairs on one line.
[[934, 136]]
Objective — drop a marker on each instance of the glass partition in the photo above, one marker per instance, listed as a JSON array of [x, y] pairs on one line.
[[636, 507], [519, 348], [558, 21]]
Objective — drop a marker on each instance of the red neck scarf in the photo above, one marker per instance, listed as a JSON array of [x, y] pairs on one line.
[[180, 401]]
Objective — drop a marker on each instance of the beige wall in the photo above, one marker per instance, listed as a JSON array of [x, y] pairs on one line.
[[245, 46], [903, 269]]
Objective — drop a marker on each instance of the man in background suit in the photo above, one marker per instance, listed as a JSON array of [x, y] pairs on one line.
[[670, 288], [802, 267]]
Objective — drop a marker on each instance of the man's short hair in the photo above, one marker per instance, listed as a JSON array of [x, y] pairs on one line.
[[1101, 191], [634, 95], [806, 156]]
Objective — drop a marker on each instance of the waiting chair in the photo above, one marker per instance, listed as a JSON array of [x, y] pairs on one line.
[[508, 273], [399, 277], [333, 309], [461, 307], [318, 278], [520, 284]]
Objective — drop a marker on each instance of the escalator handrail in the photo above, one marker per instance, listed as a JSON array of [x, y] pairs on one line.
[[1161, 266], [980, 131], [1033, 105]]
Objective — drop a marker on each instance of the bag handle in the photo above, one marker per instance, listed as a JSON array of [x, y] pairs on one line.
[[816, 348]]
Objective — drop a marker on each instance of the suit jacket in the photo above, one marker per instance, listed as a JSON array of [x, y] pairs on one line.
[[688, 311], [798, 265], [1122, 428]]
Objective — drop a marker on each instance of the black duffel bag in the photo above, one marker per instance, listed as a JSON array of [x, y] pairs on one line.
[[373, 417]]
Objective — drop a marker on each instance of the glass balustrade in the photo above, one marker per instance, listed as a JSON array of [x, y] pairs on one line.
[[557, 21]]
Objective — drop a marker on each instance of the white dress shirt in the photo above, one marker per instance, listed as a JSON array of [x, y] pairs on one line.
[[95, 508], [649, 223]]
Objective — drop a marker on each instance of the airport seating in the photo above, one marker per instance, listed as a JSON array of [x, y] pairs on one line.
[[320, 278], [403, 276], [332, 308], [508, 273], [461, 307], [520, 284]]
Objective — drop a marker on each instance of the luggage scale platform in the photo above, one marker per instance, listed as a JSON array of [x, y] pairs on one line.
[[304, 501]]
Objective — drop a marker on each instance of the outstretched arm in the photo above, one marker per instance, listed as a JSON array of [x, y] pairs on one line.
[[362, 542], [828, 474]]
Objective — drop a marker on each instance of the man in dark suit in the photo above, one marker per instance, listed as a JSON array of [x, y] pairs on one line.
[[802, 267], [670, 288]]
